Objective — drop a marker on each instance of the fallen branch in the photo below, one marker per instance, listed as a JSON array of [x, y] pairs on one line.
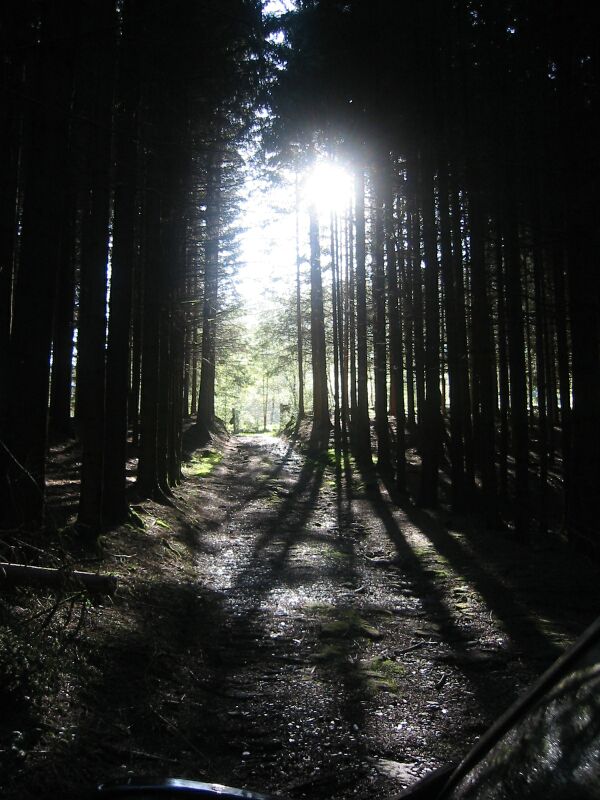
[[413, 647], [47, 577]]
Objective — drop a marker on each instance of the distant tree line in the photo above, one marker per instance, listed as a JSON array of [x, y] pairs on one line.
[[468, 265], [118, 153]]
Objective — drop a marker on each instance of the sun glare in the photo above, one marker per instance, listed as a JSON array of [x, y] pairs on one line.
[[328, 186], [268, 241]]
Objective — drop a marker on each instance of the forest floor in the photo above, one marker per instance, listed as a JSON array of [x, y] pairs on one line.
[[285, 628]]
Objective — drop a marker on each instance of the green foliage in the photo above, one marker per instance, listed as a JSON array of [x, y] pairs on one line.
[[257, 369], [202, 464], [339, 633], [382, 673]]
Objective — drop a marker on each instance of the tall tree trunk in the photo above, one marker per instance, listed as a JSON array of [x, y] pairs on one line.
[[516, 360], [453, 309], [528, 345], [396, 337], [321, 421], [147, 475], [361, 424], [578, 156], [118, 355], [299, 326], [64, 326], [343, 341], [379, 329], [462, 367], [24, 434], [408, 310], [133, 400], [15, 36], [503, 379], [91, 334], [414, 245], [156, 368], [431, 430], [336, 331], [540, 362], [562, 355], [584, 455], [484, 361], [351, 326], [206, 395]]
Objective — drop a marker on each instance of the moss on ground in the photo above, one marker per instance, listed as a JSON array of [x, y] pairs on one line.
[[203, 463]]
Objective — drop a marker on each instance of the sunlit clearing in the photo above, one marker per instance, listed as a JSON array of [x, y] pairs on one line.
[[327, 186], [267, 243]]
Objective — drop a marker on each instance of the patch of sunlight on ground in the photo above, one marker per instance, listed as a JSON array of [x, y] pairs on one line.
[[202, 464]]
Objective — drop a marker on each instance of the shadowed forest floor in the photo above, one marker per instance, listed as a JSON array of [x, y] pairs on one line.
[[284, 630]]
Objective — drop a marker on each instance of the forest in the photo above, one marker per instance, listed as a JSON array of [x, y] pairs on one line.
[[428, 366]]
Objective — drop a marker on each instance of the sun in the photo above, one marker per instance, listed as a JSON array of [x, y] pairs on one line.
[[328, 187]]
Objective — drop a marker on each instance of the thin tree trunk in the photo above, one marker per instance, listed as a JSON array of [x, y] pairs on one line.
[[396, 338], [147, 476], [503, 379], [91, 334], [516, 360], [408, 313], [361, 424], [483, 361], [528, 347], [14, 29], [321, 421], [64, 325], [462, 341], [414, 244], [343, 343], [206, 395], [584, 455], [431, 419], [118, 355], [379, 330], [24, 434], [299, 326], [453, 309], [540, 362], [562, 355], [336, 323], [351, 327]]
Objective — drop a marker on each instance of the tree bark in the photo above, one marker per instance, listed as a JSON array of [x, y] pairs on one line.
[[379, 329], [118, 353], [24, 434], [431, 430], [206, 395], [299, 326], [321, 421], [64, 326], [453, 308], [483, 362], [361, 425], [91, 334], [516, 360], [48, 578], [396, 337]]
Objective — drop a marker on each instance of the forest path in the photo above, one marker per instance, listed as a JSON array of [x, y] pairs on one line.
[[285, 627], [355, 645]]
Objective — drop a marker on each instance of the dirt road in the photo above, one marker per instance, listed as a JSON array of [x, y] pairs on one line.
[[288, 630], [355, 645]]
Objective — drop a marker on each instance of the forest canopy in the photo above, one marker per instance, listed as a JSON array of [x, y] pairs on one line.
[[442, 324]]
